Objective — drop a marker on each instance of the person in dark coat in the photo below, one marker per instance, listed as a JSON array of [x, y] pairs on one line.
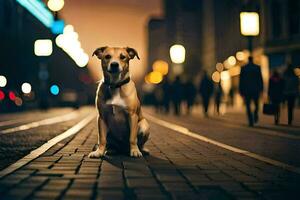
[[166, 86], [176, 91], [206, 90], [189, 95], [290, 91], [218, 97], [275, 93], [251, 86]]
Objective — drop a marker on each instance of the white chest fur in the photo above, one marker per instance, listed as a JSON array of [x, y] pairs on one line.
[[116, 99]]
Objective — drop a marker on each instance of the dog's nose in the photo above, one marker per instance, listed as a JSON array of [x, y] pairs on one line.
[[114, 67]]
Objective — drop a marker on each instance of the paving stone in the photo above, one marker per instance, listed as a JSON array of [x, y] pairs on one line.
[[137, 173], [176, 186], [47, 194], [141, 183]]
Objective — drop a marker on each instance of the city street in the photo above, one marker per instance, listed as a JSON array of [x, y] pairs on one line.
[[191, 157]]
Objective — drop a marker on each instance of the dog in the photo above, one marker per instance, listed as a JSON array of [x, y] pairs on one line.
[[121, 125]]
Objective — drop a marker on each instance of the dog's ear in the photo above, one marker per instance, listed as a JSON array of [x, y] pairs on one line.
[[132, 53], [99, 52]]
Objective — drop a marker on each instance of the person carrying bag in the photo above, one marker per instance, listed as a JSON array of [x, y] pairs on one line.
[[275, 93]]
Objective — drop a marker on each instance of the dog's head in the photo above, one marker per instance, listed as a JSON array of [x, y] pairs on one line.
[[115, 61]]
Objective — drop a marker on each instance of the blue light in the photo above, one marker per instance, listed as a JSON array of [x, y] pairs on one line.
[[54, 89], [58, 27], [38, 9]]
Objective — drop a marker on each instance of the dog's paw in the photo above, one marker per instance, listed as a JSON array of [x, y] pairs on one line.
[[135, 152], [97, 154]]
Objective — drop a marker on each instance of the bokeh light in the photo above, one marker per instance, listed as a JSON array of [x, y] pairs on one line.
[[219, 67], [54, 89], [11, 95], [241, 56], [56, 5], [161, 67], [18, 101], [69, 42], [216, 77], [249, 23], [26, 88], [231, 61], [43, 47], [3, 81], [154, 77], [177, 53], [2, 95]]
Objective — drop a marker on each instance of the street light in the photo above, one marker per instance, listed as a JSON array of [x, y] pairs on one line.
[[3, 81], [249, 24], [177, 53], [56, 5], [26, 88], [43, 48]]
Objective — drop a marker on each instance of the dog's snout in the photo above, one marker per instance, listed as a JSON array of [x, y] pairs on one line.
[[114, 67]]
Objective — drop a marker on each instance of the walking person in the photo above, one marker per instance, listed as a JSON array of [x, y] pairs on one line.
[[206, 90], [189, 95], [251, 86], [218, 98], [290, 91], [275, 94], [166, 87], [176, 89]]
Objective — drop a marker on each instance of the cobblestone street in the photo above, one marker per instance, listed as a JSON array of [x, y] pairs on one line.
[[179, 167]]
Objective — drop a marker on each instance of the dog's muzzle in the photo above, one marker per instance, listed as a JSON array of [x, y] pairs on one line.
[[114, 68]]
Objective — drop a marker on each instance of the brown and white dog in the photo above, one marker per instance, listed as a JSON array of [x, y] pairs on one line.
[[121, 124]]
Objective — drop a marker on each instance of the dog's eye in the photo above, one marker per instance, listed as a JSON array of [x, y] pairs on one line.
[[108, 57], [122, 57]]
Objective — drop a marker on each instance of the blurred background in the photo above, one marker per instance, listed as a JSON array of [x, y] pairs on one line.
[[46, 48]]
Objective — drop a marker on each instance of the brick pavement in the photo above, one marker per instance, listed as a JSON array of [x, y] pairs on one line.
[[178, 168]]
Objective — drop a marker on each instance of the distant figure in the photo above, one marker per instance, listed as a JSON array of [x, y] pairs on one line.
[[231, 97], [291, 84], [275, 93], [166, 87], [218, 97], [251, 86], [206, 90], [159, 98], [176, 91], [189, 95]]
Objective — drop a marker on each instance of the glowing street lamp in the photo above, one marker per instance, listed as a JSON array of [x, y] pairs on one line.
[[3, 81], [249, 24], [26, 88], [56, 5], [177, 53]]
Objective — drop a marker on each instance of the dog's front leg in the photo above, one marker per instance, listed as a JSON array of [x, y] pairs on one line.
[[102, 131], [134, 149]]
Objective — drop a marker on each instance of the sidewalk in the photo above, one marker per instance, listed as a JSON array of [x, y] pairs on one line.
[[179, 167]]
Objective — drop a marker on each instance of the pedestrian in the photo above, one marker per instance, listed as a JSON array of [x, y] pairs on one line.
[[189, 95], [166, 87], [176, 91], [206, 90], [251, 86], [290, 91], [275, 93], [218, 97], [159, 97]]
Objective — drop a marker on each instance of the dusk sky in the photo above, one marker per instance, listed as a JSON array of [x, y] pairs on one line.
[[112, 23]]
